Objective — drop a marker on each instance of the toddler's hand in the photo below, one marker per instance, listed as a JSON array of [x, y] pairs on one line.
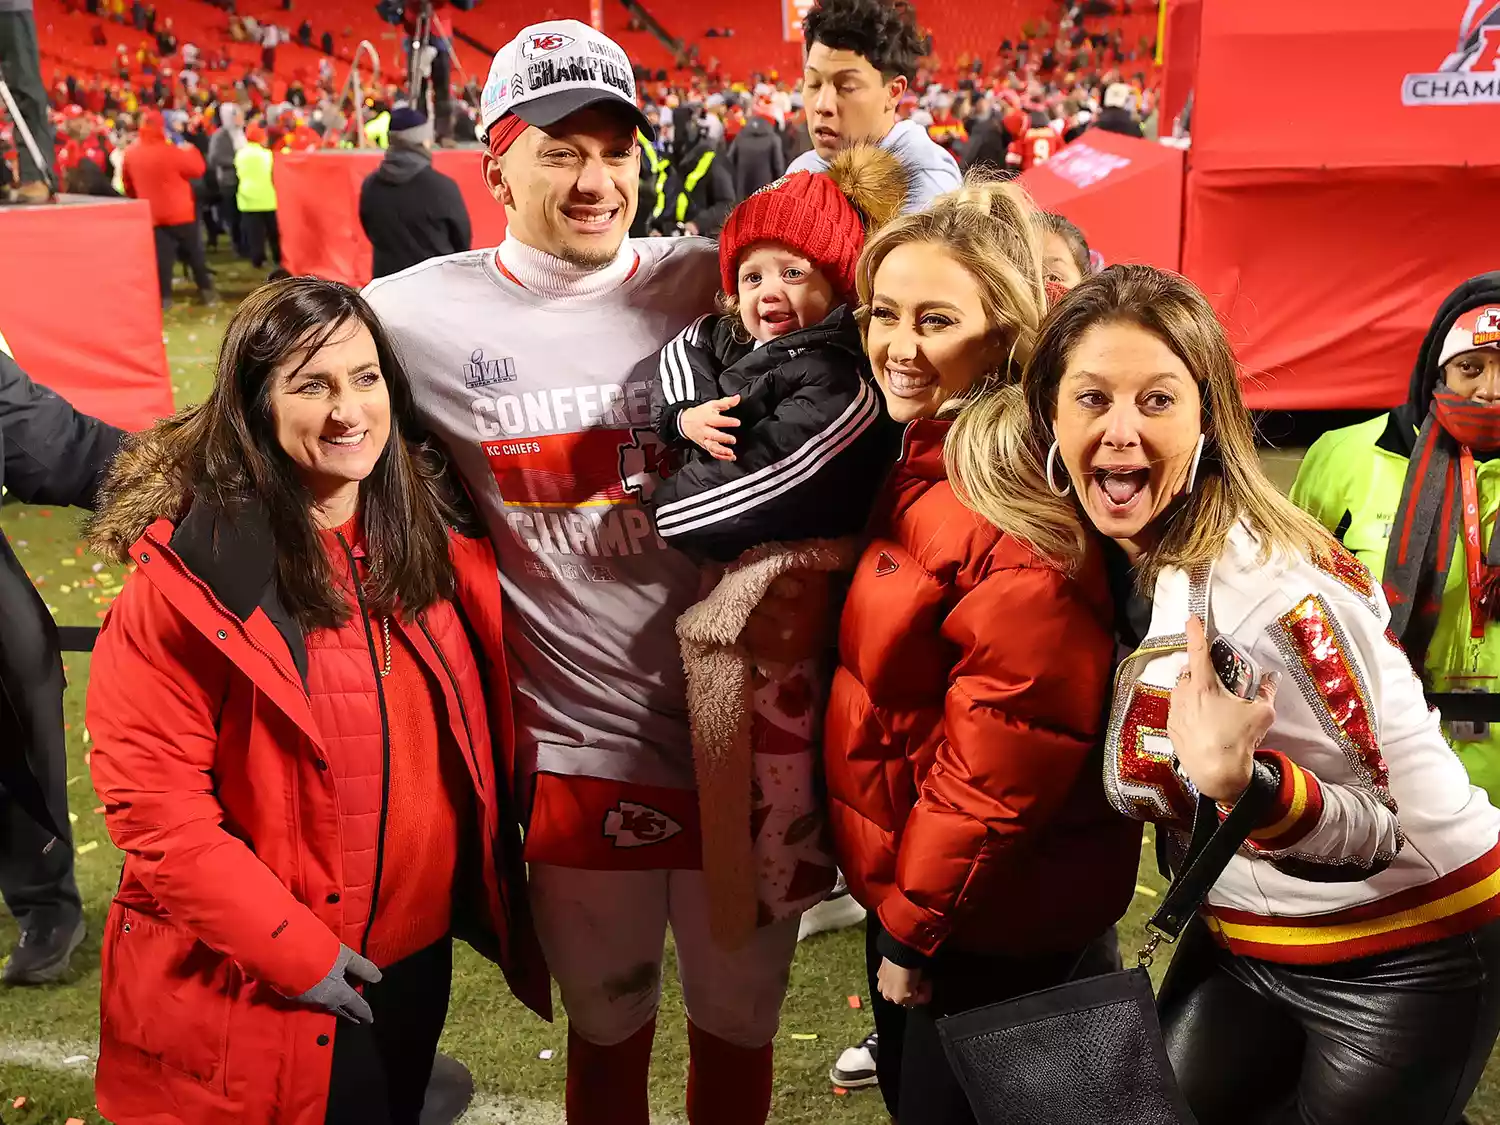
[[704, 426]]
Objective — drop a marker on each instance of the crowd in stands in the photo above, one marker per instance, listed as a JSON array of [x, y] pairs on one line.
[[718, 140]]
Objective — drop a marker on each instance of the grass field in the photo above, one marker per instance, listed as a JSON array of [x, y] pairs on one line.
[[48, 1036]]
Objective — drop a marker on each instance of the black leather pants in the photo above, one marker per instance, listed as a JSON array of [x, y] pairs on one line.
[[1395, 1039]]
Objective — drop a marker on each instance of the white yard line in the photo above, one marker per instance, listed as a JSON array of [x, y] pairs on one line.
[[486, 1109], [47, 1054]]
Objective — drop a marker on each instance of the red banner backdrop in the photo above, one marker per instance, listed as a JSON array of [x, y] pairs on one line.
[[1344, 172], [1125, 194], [80, 307], [1179, 57], [317, 197]]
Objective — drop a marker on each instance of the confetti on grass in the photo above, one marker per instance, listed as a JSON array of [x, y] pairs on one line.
[[1147, 891], [803, 1036], [84, 849], [545, 1055], [855, 1002], [74, 1060]]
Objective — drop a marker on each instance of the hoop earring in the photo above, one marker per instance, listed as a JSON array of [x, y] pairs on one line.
[[1052, 487], [1193, 472]]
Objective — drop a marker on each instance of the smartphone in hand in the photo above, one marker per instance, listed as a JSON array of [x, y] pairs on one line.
[[1235, 666]]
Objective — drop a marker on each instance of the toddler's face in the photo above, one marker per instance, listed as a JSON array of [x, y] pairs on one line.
[[780, 291]]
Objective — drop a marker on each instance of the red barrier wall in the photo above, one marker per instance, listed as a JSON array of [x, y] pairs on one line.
[[1180, 58], [80, 307], [1344, 172], [317, 199], [1125, 195]]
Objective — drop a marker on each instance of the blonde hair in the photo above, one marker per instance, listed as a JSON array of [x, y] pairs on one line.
[[729, 307], [987, 227], [997, 450]]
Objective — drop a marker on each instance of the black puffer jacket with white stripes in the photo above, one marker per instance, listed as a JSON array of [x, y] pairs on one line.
[[813, 447]]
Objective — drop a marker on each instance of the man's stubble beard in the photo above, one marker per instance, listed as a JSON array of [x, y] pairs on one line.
[[596, 259], [588, 259]]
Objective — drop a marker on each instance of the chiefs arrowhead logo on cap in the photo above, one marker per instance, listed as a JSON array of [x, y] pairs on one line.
[[1487, 326], [544, 44]]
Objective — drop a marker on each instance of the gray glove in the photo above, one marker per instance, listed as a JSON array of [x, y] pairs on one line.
[[337, 995]]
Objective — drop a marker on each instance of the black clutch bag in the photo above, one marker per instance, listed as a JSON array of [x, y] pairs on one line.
[[1090, 1052]]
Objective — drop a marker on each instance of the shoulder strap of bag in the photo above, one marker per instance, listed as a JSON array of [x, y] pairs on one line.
[[1213, 846], [1213, 842]]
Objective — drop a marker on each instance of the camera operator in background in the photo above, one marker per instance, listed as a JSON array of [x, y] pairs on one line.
[[49, 454], [21, 67]]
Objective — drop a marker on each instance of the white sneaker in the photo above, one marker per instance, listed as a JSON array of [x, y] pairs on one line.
[[856, 1066], [838, 911]]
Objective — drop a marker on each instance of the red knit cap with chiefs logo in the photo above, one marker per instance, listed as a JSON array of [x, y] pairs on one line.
[[806, 212], [824, 216]]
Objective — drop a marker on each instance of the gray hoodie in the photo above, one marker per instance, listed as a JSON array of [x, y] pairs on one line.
[[222, 146], [933, 171]]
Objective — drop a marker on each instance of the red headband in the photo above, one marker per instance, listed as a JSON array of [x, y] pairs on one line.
[[503, 133]]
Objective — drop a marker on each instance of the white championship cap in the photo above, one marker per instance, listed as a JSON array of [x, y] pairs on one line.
[[1475, 329], [555, 68]]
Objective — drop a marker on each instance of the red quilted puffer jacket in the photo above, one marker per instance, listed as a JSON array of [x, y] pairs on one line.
[[963, 734], [247, 860]]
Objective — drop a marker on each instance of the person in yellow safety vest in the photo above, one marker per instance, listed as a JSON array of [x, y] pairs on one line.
[[655, 168], [256, 197], [704, 193], [378, 129], [1414, 494]]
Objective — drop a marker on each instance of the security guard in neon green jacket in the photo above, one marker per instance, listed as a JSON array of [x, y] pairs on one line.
[[378, 129], [701, 193], [1393, 489]]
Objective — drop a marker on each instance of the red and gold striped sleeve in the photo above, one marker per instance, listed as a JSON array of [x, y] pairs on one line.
[[1296, 810]]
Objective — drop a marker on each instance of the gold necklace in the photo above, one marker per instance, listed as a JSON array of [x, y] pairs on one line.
[[385, 628]]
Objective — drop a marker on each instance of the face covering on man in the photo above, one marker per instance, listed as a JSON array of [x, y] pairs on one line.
[[1467, 402]]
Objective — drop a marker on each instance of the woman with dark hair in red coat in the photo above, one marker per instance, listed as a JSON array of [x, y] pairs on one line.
[[299, 708]]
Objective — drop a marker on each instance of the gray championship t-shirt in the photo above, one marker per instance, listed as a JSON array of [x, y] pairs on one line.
[[543, 411]]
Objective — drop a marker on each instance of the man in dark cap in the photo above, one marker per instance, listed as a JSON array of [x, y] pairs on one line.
[[410, 211]]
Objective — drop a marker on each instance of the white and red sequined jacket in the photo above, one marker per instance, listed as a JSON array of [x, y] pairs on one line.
[[1377, 840]]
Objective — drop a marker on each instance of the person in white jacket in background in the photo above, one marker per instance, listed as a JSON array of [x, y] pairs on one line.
[[1345, 968], [861, 57]]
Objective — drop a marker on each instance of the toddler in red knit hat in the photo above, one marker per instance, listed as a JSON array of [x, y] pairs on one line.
[[771, 401], [784, 443]]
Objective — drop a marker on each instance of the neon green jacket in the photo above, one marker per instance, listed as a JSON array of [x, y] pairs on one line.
[[1347, 480], [256, 191], [378, 130]]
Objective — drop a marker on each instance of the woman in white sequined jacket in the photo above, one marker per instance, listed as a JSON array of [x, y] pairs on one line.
[[1345, 968]]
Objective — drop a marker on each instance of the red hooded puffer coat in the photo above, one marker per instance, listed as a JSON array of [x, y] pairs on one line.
[[243, 872], [963, 733], [161, 173]]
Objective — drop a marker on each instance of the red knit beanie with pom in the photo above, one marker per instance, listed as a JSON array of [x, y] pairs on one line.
[[805, 211]]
